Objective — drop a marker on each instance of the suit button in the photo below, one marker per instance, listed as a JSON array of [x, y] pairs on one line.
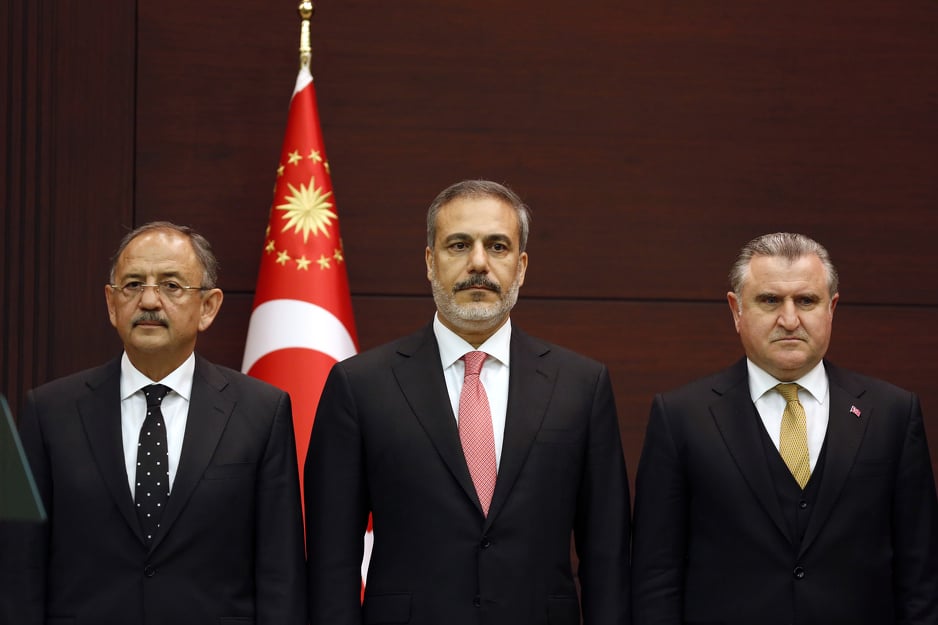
[[486, 543], [149, 571], [802, 504], [798, 572], [476, 601]]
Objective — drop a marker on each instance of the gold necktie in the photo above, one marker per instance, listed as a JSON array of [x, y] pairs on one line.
[[794, 439]]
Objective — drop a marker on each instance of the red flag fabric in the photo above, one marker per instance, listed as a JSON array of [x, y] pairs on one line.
[[302, 321]]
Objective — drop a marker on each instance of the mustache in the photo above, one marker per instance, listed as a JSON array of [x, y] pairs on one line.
[[151, 316], [477, 280], [797, 334]]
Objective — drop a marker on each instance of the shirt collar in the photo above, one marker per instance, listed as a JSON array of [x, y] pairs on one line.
[[814, 381], [179, 381], [453, 347]]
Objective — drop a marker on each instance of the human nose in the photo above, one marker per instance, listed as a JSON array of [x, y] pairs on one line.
[[788, 316], [478, 259], [150, 296]]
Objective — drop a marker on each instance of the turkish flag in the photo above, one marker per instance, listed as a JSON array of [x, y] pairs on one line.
[[302, 321]]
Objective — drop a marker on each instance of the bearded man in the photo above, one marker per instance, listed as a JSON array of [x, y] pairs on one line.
[[477, 449]]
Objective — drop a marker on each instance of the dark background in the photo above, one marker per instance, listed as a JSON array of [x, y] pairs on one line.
[[652, 139]]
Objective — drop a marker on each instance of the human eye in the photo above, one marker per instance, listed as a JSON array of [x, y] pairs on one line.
[[132, 287], [768, 299], [458, 246], [170, 287], [807, 301], [499, 245]]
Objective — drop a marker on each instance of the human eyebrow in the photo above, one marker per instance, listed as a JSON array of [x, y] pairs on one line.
[[456, 237], [131, 275], [502, 240]]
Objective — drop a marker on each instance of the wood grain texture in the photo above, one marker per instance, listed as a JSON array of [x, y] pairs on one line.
[[651, 140]]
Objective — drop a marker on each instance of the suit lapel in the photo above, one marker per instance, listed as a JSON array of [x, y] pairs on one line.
[[100, 413], [530, 384], [420, 376], [845, 430], [738, 421], [209, 411]]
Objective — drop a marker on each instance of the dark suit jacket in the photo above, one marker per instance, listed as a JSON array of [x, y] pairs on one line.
[[385, 440], [230, 549], [711, 544]]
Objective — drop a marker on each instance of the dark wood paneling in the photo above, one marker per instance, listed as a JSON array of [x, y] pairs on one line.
[[214, 85], [67, 180], [651, 139], [89, 174], [645, 135]]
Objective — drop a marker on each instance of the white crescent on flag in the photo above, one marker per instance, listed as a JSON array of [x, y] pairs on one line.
[[285, 323]]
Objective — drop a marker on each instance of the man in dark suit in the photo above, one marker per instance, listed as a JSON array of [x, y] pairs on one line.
[[785, 489], [216, 536], [472, 516]]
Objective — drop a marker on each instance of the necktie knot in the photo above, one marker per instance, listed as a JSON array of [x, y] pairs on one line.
[[788, 391], [474, 362], [155, 394]]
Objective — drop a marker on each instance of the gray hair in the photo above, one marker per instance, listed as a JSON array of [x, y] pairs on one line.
[[788, 245], [201, 246], [480, 189]]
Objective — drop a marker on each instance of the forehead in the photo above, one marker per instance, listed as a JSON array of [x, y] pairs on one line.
[[477, 217], [156, 253], [779, 274]]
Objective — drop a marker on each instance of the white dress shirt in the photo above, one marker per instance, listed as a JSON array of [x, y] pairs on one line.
[[814, 395], [494, 375], [175, 409]]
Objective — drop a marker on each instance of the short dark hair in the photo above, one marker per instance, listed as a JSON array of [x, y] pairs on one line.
[[201, 246], [480, 189], [788, 245]]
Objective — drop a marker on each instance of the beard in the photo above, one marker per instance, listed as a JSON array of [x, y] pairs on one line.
[[475, 313]]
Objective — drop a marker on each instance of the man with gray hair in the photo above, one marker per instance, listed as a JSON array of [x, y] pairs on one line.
[[785, 490], [478, 450], [171, 482]]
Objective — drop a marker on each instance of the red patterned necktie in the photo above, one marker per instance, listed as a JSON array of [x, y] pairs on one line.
[[475, 430]]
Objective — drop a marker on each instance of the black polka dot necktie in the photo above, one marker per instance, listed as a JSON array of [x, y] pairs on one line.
[[152, 481]]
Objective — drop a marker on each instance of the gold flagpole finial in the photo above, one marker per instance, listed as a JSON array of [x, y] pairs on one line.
[[305, 10]]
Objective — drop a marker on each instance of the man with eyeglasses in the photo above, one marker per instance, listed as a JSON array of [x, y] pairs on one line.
[[171, 483]]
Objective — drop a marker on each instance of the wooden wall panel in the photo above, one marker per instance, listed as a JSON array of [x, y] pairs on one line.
[[651, 140], [68, 167], [645, 135], [214, 85]]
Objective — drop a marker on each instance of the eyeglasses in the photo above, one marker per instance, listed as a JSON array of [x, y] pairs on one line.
[[168, 288]]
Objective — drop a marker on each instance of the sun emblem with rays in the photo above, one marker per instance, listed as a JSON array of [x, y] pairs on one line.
[[307, 209]]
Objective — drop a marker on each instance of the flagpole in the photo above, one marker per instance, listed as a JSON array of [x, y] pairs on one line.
[[306, 10]]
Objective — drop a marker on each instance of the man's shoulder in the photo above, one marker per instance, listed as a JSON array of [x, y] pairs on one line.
[[69, 385], [713, 384], [220, 375], [401, 347], [856, 383], [544, 348]]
